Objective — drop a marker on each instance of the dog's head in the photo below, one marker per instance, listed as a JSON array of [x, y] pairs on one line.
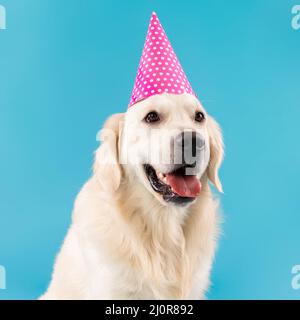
[[167, 143]]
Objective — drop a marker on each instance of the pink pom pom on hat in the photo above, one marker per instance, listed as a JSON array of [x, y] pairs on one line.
[[159, 70]]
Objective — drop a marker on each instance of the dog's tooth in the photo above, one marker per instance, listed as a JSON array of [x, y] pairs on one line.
[[164, 179], [160, 175]]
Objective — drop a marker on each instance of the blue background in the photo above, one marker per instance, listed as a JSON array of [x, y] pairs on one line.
[[67, 65]]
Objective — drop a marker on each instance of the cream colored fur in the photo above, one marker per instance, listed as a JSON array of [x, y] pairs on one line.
[[124, 241]]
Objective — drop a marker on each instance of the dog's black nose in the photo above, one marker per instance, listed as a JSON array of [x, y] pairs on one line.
[[190, 143]]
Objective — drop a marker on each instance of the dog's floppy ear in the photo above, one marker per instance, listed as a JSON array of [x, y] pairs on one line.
[[216, 152], [107, 167]]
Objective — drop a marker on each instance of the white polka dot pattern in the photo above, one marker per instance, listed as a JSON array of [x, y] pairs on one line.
[[159, 70]]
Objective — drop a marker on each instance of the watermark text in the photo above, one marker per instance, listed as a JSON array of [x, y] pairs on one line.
[[296, 17], [2, 18], [296, 277], [2, 278]]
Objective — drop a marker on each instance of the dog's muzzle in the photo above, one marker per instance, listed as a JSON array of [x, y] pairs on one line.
[[178, 181], [188, 146]]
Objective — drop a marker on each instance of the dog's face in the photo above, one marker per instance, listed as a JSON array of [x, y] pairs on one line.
[[168, 142]]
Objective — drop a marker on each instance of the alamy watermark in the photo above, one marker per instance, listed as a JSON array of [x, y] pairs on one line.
[[2, 278], [2, 18], [296, 17], [296, 277], [163, 147]]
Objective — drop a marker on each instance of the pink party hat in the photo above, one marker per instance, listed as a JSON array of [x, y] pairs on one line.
[[159, 70]]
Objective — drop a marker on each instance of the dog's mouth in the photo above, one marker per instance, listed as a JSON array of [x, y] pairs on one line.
[[176, 186]]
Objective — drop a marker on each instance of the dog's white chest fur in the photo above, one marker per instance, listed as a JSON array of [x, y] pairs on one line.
[[105, 257]]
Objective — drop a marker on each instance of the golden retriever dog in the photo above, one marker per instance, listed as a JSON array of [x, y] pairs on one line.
[[145, 224]]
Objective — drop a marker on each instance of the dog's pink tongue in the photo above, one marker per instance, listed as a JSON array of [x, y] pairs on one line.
[[184, 186]]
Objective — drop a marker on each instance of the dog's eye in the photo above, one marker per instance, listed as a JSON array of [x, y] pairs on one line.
[[152, 117], [199, 116]]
